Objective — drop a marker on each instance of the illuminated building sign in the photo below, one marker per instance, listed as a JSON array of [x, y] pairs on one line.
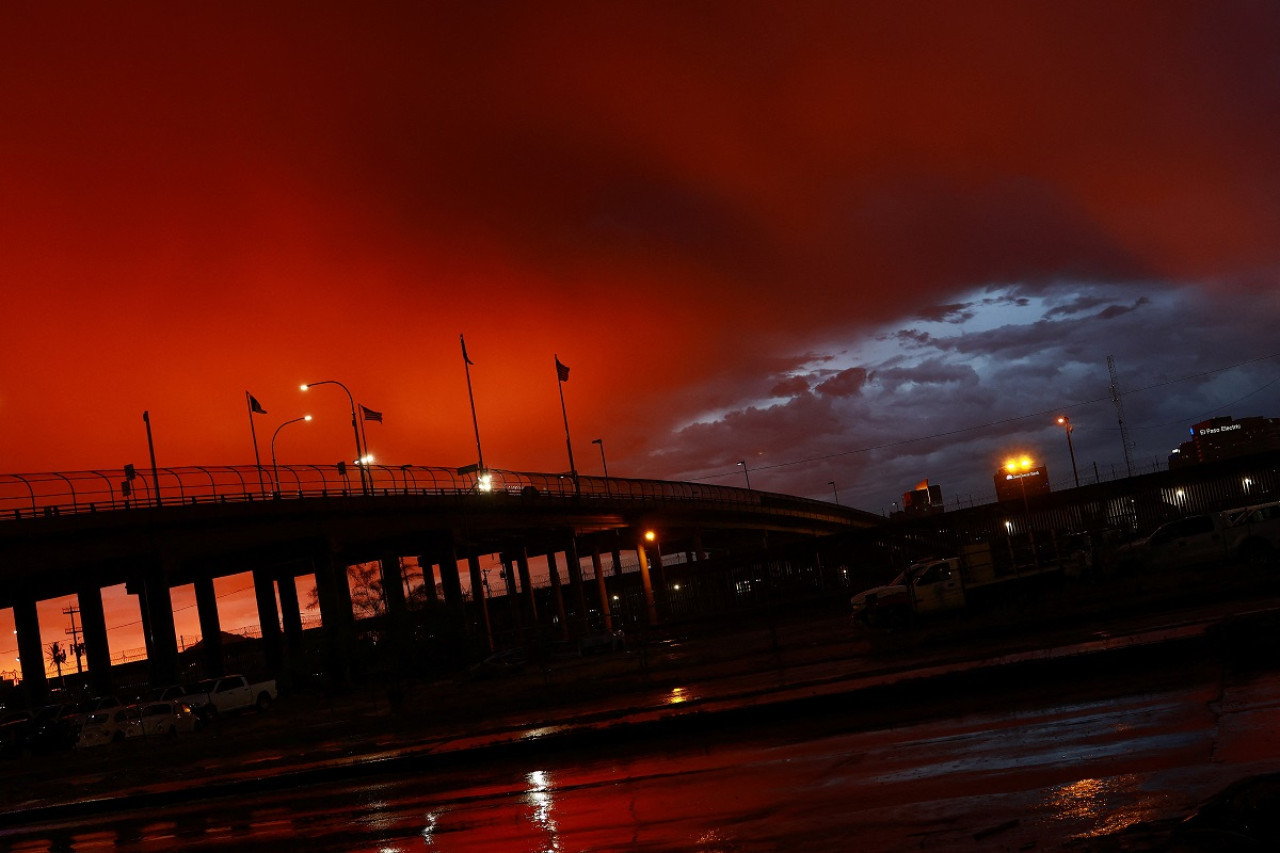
[[1012, 485], [1215, 429]]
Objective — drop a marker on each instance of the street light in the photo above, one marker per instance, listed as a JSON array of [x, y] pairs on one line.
[[834, 490], [355, 427], [743, 463], [603, 464], [1065, 423], [275, 469]]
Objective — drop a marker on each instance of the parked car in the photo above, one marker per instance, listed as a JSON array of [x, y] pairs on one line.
[[87, 707], [103, 727], [56, 727], [162, 718]]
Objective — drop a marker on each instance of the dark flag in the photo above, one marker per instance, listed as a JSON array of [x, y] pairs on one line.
[[370, 415], [255, 406], [561, 370], [465, 357]]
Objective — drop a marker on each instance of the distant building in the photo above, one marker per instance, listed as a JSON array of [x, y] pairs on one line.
[[1012, 485], [924, 499], [1225, 438]]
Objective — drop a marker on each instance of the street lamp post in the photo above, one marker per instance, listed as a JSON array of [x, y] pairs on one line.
[[604, 465], [834, 490], [275, 468], [1065, 423], [355, 428], [743, 463]]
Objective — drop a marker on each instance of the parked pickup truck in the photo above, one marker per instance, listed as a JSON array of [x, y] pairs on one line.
[[1250, 534], [236, 693], [936, 585]]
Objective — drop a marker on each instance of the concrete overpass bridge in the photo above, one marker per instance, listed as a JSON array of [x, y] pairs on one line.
[[77, 533]]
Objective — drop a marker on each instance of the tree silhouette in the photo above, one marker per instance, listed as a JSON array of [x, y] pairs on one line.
[[57, 657]]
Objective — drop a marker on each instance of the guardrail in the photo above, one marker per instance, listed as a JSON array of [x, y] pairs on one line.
[[26, 496]]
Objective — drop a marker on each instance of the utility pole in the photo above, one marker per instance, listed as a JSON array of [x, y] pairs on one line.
[[1119, 404], [74, 633]]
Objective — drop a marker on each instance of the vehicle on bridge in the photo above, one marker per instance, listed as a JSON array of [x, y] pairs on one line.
[[936, 585]]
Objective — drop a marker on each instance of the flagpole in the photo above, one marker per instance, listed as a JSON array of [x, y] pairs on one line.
[[257, 460], [562, 374], [363, 438], [475, 423]]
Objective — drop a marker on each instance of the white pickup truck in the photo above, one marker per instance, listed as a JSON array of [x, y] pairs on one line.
[[937, 585], [236, 693]]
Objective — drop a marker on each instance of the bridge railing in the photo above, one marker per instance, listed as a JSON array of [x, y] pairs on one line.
[[52, 494]]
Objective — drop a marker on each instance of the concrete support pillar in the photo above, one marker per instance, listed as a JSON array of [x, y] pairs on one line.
[[698, 553], [264, 593], [335, 611], [480, 600], [646, 582], [290, 611], [157, 603], [392, 585], [597, 566], [617, 562], [577, 594], [557, 594], [26, 622], [509, 585], [450, 582], [526, 588], [210, 627], [426, 563], [93, 626]]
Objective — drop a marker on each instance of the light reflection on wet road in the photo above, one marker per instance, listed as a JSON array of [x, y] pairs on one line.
[[1019, 779]]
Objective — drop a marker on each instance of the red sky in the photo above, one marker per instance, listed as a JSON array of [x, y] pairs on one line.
[[786, 233]]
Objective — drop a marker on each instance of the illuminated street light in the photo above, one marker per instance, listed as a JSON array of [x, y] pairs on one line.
[[1065, 423], [743, 463], [355, 426], [275, 469]]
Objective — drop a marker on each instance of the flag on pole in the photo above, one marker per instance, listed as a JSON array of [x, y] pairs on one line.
[[561, 371], [255, 406], [465, 357], [370, 415]]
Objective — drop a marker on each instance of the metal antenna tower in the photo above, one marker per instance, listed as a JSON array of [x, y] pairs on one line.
[[1119, 404]]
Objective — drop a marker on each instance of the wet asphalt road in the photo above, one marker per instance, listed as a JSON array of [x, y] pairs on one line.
[[1036, 767]]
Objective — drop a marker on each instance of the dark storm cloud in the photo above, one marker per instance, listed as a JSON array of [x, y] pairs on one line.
[[846, 383], [950, 408], [954, 313]]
